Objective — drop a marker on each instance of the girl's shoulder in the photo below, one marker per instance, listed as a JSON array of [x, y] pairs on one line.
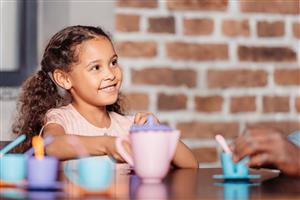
[[63, 116]]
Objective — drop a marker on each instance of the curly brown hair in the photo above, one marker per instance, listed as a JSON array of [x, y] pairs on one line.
[[39, 93]]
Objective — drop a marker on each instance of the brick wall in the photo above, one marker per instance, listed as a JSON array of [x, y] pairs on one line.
[[208, 67]]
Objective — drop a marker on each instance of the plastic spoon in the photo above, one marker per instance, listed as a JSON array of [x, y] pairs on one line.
[[220, 139], [38, 146], [47, 141], [11, 145]]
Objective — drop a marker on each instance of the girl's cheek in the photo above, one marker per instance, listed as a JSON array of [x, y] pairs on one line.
[[119, 73]]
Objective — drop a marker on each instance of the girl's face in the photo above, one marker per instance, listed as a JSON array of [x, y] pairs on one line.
[[97, 77]]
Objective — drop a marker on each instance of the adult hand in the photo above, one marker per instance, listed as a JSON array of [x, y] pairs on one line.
[[268, 147]]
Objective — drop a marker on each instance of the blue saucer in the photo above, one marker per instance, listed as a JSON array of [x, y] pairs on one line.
[[250, 176]]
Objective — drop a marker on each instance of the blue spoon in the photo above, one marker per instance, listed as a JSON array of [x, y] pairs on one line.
[[11, 145]]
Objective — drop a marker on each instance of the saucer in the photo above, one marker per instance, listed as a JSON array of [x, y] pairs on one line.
[[248, 177], [40, 186], [11, 184], [233, 184]]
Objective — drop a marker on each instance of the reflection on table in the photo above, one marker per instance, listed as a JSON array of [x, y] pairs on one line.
[[179, 184]]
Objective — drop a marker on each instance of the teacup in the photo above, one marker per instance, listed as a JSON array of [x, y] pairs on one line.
[[92, 173], [13, 168], [232, 169], [42, 172], [152, 153]]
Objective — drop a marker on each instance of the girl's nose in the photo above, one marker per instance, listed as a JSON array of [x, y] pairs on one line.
[[108, 73]]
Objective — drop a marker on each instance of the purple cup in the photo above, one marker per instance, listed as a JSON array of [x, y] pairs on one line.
[[42, 172]]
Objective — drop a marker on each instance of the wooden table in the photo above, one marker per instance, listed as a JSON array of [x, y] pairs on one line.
[[185, 184]]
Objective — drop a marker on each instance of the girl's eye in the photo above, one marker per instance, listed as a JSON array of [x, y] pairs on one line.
[[96, 67], [114, 62]]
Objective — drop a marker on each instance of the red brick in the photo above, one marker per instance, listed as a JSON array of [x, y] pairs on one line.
[[267, 6], [167, 102], [208, 103], [208, 130], [165, 76], [198, 26], [296, 30], [137, 49], [197, 5], [242, 104], [286, 127], [275, 104], [297, 104], [137, 3], [161, 25], [287, 76], [137, 101], [127, 23], [233, 28], [266, 54], [270, 29], [206, 154], [201, 52], [237, 78]]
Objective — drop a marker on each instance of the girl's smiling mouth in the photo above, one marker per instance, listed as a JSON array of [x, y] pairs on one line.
[[109, 88]]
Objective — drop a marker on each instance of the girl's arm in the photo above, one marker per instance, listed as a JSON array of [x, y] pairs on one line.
[[94, 145], [184, 158]]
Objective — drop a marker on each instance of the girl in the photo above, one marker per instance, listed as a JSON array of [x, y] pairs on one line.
[[76, 92]]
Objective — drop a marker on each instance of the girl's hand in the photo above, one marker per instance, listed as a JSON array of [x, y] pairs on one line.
[[141, 118], [268, 147], [111, 149]]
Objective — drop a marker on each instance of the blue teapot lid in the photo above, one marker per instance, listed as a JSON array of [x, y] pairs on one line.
[[149, 126]]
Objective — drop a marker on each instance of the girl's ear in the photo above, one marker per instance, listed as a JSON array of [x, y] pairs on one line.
[[62, 79]]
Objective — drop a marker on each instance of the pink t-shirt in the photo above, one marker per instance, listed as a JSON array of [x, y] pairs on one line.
[[75, 124]]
